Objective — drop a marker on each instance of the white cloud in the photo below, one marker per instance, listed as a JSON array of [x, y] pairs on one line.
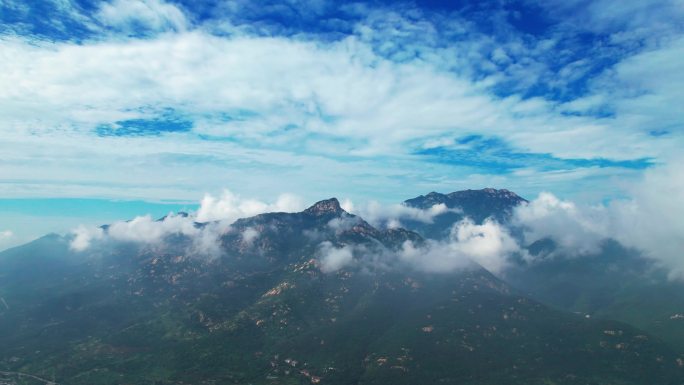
[[333, 258], [652, 220], [575, 230], [641, 90], [292, 109], [649, 219], [347, 205], [344, 223], [84, 236], [133, 15], [144, 229], [141, 229], [208, 241], [147, 231], [230, 207], [490, 245], [392, 215], [636, 16], [204, 228], [249, 235], [434, 257], [336, 98]]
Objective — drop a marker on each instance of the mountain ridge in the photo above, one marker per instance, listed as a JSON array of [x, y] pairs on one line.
[[265, 312]]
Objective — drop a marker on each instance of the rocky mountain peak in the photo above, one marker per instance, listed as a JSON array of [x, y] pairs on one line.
[[486, 193], [328, 206]]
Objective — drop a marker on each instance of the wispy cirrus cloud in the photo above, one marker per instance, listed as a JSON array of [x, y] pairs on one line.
[[381, 94], [137, 17]]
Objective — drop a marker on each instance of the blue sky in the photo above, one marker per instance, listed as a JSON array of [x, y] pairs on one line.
[[123, 106]]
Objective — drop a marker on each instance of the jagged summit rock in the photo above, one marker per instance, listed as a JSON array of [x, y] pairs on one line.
[[181, 214], [478, 205], [323, 221], [325, 207], [495, 198], [487, 192]]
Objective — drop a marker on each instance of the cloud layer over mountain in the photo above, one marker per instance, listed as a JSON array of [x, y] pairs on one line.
[[649, 220], [212, 219], [378, 100]]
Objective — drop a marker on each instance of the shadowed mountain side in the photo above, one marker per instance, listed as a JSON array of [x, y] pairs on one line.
[[615, 283], [477, 205]]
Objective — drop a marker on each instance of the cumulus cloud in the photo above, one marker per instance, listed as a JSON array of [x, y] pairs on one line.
[[652, 220], [204, 228], [575, 230], [390, 216], [230, 206], [133, 15], [649, 219], [144, 229], [84, 236], [490, 245]]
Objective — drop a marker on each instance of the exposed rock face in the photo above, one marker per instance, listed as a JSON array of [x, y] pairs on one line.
[[325, 207]]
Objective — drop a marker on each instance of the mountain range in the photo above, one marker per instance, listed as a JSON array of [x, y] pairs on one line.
[[322, 296]]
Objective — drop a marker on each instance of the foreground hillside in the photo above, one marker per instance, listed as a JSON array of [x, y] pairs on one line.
[[268, 312]]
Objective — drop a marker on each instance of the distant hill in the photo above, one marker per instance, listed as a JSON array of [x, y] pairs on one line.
[[477, 205]]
